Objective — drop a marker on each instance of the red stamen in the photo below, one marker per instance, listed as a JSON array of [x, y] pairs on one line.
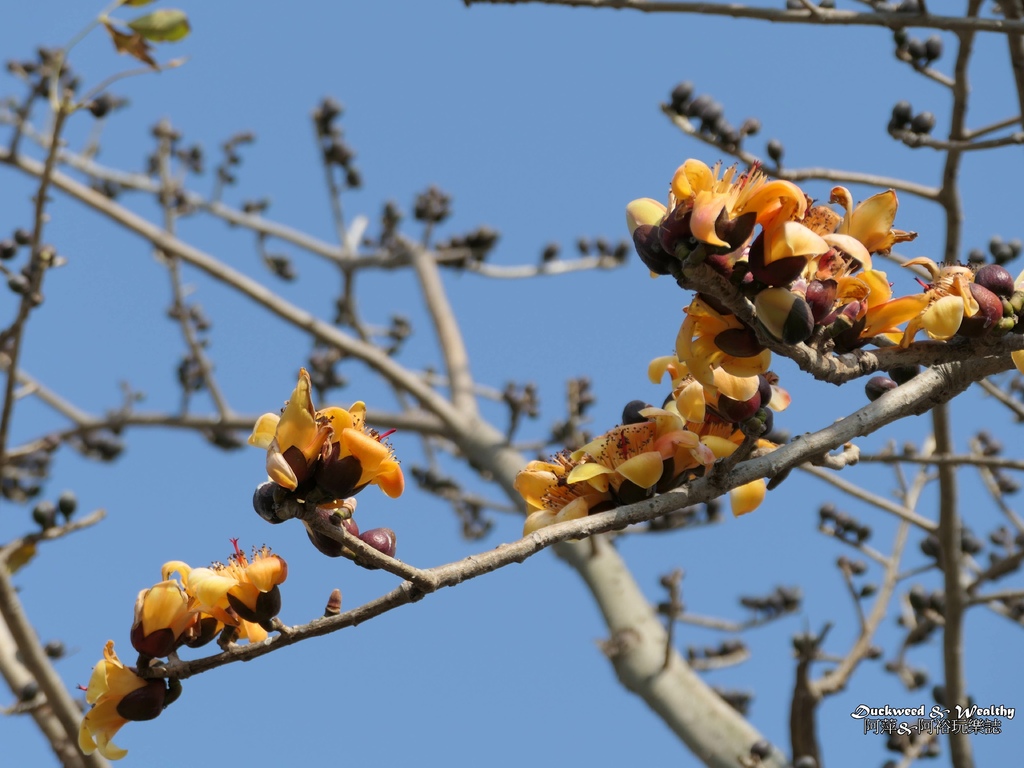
[[238, 552], [386, 434], [923, 284]]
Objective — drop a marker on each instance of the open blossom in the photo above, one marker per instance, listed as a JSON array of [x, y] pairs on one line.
[[117, 695], [647, 453], [332, 451], [163, 619], [939, 310], [242, 593]]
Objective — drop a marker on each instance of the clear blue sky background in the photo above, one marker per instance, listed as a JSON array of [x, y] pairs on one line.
[[542, 123]]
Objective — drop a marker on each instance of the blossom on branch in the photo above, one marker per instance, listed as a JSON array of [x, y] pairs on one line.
[[330, 453], [118, 695]]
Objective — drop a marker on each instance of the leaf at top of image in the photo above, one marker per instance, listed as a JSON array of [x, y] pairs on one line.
[[164, 26]]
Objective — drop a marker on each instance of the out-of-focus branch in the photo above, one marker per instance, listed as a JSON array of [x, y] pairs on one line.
[[1013, 10], [59, 704], [949, 542], [822, 17], [804, 174], [999, 394], [449, 336]]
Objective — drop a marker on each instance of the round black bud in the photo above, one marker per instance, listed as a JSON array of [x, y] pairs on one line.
[[915, 48], [775, 150], [67, 503], [902, 112], [631, 413], [45, 514], [933, 48], [923, 123], [761, 748], [901, 374], [976, 257], [264, 504], [18, 283], [680, 95], [877, 386], [22, 236], [28, 691], [54, 649]]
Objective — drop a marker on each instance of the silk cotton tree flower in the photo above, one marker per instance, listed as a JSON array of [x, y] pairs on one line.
[[551, 499], [332, 450], [118, 695], [645, 454], [939, 311], [163, 619], [243, 593]]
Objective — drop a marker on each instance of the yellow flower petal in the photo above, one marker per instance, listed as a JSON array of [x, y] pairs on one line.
[[851, 246], [643, 470], [644, 211], [740, 388], [298, 423], [706, 208], [942, 319], [791, 238], [747, 367], [1018, 359], [689, 177], [747, 497], [537, 520], [719, 446], [593, 473], [263, 433], [659, 366], [690, 402], [887, 316]]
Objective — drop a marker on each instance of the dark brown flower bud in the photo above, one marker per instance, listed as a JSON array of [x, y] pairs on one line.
[[381, 539], [738, 411], [990, 312], [877, 386], [996, 278], [739, 342], [144, 703], [647, 242], [780, 272], [821, 296]]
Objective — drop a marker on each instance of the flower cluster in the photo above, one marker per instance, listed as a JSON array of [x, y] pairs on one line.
[[652, 451], [808, 272], [237, 600], [317, 460]]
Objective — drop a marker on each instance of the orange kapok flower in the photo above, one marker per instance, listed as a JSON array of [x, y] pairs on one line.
[[702, 343], [294, 439], [162, 619], [334, 447], [871, 221], [551, 499], [118, 695], [357, 456], [938, 311], [241, 594]]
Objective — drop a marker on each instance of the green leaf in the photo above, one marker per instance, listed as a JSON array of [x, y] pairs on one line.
[[163, 26]]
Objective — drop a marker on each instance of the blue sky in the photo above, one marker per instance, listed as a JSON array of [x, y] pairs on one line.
[[542, 123]]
